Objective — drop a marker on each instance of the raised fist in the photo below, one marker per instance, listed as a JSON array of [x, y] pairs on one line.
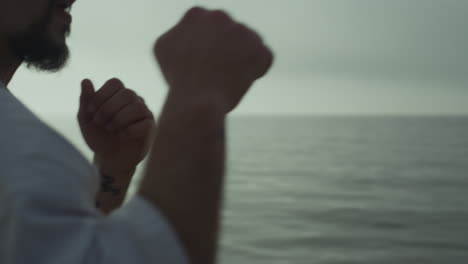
[[209, 57]]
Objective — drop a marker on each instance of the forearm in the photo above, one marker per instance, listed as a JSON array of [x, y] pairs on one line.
[[184, 175], [114, 185]]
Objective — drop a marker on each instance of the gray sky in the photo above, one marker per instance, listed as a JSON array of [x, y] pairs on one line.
[[332, 56]]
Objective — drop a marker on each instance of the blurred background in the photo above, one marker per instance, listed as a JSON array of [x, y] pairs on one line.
[[353, 149]]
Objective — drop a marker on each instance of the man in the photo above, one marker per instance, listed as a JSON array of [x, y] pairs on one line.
[[51, 207]]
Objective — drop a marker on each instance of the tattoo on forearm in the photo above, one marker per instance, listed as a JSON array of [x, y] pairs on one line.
[[106, 186]]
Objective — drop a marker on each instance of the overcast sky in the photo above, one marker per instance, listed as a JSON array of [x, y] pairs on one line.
[[345, 57]]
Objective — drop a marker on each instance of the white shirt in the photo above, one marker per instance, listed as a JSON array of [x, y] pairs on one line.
[[47, 203]]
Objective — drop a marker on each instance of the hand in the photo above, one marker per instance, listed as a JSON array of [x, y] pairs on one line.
[[208, 56], [119, 129]]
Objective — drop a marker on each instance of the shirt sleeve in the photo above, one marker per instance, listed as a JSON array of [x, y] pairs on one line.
[[139, 223], [47, 216]]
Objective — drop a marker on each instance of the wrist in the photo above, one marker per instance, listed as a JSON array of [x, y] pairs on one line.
[[108, 167], [114, 184], [203, 104]]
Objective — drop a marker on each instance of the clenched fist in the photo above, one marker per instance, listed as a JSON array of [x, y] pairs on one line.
[[209, 57]]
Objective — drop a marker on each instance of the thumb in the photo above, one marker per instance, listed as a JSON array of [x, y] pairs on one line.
[[87, 93]]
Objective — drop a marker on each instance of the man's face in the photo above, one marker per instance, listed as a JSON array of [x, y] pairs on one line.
[[35, 31]]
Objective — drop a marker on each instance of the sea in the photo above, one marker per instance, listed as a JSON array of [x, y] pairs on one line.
[[340, 189]]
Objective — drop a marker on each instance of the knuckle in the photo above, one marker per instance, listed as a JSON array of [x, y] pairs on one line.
[[159, 44], [150, 115], [261, 51], [220, 15], [130, 94], [240, 30], [116, 125], [256, 48], [265, 61], [270, 56], [256, 37], [141, 107], [251, 34], [240, 27], [148, 124], [267, 55], [115, 82], [194, 11]]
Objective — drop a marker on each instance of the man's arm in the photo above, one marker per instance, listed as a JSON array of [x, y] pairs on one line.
[[113, 186], [209, 62], [184, 174]]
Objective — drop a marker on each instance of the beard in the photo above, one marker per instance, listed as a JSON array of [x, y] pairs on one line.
[[37, 49]]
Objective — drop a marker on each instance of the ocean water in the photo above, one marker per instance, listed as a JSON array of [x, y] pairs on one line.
[[336, 190]]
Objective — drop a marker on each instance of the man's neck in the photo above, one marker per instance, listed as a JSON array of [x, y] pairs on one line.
[[8, 63]]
